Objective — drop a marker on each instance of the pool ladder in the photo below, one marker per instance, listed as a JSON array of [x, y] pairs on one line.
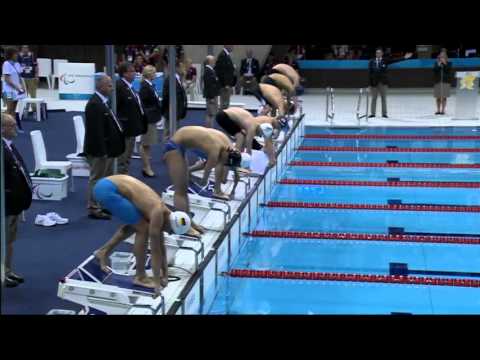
[[363, 92], [330, 106]]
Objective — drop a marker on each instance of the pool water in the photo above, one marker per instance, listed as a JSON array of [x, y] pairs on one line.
[[279, 296]]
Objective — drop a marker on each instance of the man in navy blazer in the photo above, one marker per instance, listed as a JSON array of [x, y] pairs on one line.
[[377, 71], [18, 194]]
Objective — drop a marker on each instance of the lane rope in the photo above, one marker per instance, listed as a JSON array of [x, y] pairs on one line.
[[391, 137], [432, 184], [386, 165], [463, 240], [391, 207], [346, 277], [388, 149]]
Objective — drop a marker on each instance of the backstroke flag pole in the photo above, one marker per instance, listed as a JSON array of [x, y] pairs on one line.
[[110, 65]]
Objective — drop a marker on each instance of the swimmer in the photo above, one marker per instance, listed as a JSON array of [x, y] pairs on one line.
[[289, 72], [282, 82], [241, 124], [271, 98], [144, 214], [209, 144]]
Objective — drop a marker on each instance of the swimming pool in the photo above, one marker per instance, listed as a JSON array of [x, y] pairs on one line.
[[317, 248]]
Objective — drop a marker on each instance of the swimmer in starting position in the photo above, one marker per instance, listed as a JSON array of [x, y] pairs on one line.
[[209, 144], [144, 214], [241, 124]]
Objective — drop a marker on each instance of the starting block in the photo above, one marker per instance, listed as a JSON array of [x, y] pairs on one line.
[[112, 294]]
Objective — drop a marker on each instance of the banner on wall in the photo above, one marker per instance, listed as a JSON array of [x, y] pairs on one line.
[[76, 81]]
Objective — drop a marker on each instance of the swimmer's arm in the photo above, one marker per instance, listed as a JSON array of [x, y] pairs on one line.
[[236, 179], [270, 151], [158, 251], [250, 136], [209, 165]]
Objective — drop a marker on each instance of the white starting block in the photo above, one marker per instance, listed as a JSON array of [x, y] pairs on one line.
[[112, 293], [49, 188], [80, 165], [115, 293]]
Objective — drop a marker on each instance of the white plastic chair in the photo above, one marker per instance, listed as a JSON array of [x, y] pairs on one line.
[[80, 165], [45, 69], [40, 156], [56, 74]]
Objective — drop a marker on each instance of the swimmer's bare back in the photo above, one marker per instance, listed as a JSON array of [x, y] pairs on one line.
[[199, 137], [273, 95], [239, 116], [283, 82], [290, 72], [141, 195]]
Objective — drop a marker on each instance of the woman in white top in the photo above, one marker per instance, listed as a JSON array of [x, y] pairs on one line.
[[12, 89]]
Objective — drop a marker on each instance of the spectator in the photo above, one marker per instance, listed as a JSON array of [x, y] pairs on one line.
[[104, 140], [153, 111], [211, 90], [18, 194], [12, 90], [156, 59], [269, 64], [249, 71], [225, 70], [130, 113], [298, 51], [442, 71], [190, 79], [182, 103], [377, 69], [29, 66], [180, 54], [139, 63]]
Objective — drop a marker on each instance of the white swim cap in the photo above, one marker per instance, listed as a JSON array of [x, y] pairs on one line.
[[246, 160], [180, 222], [267, 130]]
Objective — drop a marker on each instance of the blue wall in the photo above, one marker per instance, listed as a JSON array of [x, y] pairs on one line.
[[363, 64]]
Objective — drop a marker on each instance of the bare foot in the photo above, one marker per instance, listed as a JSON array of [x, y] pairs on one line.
[[103, 259], [221, 196], [145, 281]]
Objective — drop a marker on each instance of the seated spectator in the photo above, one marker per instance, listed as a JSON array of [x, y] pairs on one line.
[[249, 71], [156, 59], [269, 64], [139, 63]]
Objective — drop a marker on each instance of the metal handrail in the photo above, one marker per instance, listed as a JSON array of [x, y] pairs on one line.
[[330, 106], [359, 104]]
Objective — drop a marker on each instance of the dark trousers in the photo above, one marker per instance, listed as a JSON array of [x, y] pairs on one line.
[[100, 167], [375, 90]]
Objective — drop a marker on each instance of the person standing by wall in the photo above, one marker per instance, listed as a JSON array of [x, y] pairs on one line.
[[104, 140], [153, 111], [249, 71], [211, 90], [28, 62], [377, 71], [130, 112], [442, 72], [18, 193], [226, 75], [190, 79], [12, 89], [182, 102]]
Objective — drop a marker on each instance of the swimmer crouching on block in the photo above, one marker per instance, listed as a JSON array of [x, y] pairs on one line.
[[144, 214]]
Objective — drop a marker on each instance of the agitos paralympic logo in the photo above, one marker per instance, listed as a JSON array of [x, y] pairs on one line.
[[67, 78]]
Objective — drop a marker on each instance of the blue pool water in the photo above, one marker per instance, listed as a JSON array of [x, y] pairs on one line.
[[273, 296]]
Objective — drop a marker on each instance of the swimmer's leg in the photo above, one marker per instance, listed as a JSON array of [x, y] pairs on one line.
[[140, 251], [102, 254]]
